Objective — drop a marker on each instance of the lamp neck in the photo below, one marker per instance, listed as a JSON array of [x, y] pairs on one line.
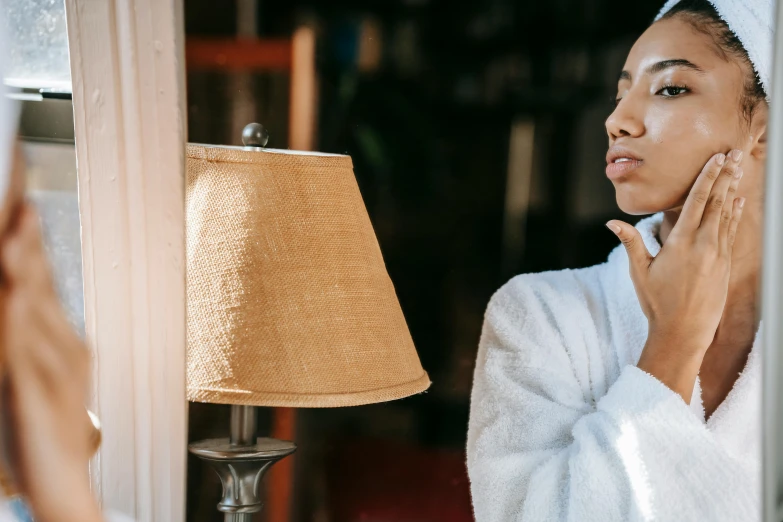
[[244, 425]]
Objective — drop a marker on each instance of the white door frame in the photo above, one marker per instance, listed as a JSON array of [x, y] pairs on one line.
[[128, 74], [772, 297]]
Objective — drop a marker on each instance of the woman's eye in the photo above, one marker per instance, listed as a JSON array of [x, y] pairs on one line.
[[671, 90]]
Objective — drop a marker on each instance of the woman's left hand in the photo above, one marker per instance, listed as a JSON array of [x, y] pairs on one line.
[[47, 383]]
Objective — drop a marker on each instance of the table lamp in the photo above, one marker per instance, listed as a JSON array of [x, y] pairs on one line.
[[289, 301]]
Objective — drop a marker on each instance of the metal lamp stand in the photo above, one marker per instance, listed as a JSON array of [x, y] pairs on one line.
[[241, 462]]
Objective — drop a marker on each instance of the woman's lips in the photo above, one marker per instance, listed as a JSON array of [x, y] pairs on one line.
[[619, 169]]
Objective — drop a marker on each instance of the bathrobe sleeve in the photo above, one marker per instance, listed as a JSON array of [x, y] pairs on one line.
[[542, 449]]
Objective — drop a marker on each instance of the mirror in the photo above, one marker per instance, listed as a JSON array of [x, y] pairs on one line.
[[501, 149]]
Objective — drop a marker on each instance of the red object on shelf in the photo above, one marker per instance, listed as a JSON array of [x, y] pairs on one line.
[[378, 481], [238, 54]]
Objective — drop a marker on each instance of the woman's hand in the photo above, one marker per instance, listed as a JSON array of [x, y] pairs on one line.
[[683, 290], [48, 371]]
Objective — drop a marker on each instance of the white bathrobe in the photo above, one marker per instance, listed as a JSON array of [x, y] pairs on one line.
[[564, 426]]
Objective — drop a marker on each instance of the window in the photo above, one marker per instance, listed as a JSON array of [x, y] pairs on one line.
[[38, 44], [38, 66]]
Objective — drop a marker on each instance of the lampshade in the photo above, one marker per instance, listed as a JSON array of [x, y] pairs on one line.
[[289, 301]]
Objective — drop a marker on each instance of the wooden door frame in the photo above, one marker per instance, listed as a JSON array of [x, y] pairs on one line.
[[128, 76]]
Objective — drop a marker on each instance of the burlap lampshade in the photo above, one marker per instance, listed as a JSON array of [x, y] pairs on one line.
[[289, 301]]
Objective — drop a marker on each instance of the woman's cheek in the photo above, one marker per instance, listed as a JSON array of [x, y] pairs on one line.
[[686, 140]]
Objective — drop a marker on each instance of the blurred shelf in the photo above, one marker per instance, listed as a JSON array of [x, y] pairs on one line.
[[238, 54]]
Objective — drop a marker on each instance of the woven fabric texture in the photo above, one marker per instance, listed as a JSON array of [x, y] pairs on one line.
[[289, 301]]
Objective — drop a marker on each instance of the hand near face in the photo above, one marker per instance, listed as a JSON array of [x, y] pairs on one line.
[[47, 378], [683, 290]]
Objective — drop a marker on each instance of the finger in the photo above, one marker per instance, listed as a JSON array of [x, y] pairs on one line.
[[31, 278], [736, 216], [51, 318], [23, 256], [31, 354], [638, 256], [14, 192], [692, 211], [728, 212], [37, 420], [710, 221], [37, 305], [39, 332]]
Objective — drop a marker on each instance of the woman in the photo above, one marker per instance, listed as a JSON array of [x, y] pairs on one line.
[[630, 390]]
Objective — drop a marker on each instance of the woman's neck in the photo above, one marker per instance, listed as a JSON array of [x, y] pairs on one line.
[[733, 342]]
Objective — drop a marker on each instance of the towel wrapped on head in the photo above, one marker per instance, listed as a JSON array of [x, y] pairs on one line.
[[753, 23]]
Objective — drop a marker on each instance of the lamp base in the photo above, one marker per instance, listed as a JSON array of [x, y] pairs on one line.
[[241, 468]]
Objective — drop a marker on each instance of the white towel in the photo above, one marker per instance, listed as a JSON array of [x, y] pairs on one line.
[[753, 21], [564, 426]]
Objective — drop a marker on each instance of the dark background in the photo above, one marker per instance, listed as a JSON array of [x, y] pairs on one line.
[[429, 125]]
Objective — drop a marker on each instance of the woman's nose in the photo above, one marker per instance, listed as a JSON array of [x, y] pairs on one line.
[[625, 120]]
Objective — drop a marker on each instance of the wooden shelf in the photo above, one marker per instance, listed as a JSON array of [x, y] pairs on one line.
[[238, 54]]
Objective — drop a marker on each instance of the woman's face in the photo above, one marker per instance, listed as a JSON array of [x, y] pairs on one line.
[[678, 104]]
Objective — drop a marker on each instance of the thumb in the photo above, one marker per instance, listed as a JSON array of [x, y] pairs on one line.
[[638, 256]]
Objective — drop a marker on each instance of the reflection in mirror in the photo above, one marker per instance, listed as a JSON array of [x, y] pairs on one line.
[[631, 389], [568, 199]]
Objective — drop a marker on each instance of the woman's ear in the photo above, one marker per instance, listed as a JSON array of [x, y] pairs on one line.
[[758, 130]]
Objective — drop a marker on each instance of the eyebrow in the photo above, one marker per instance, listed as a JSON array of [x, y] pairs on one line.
[[663, 65]]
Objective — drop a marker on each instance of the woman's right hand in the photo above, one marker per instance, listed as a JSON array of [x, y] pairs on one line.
[[683, 289]]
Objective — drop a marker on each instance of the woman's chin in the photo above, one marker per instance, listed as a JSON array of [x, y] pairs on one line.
[[639, 206], [643, 196]]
